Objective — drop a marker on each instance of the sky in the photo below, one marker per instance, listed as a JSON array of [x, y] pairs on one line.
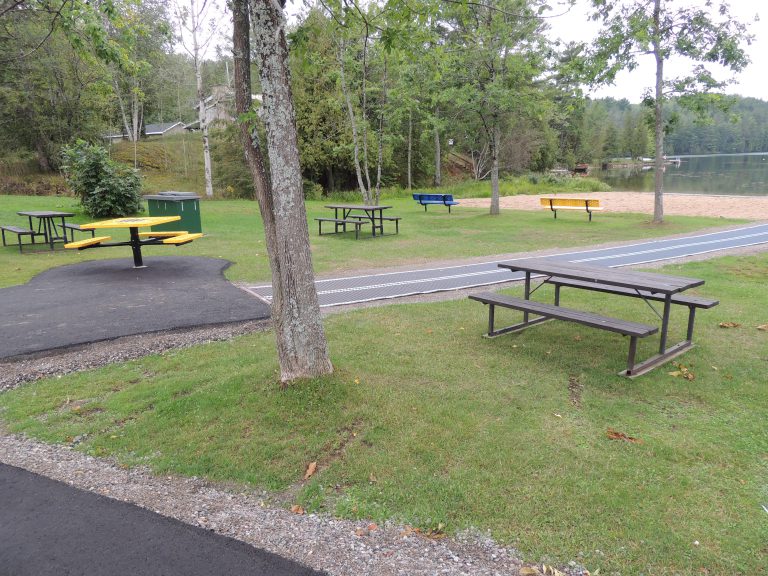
[[753, 81]]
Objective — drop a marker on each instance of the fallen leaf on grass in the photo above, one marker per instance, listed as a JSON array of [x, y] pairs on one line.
[[529, 571], [682, 371], [311, 469], [616, 435], [763, 327], [296, 509], [729, 324], [410, 531]]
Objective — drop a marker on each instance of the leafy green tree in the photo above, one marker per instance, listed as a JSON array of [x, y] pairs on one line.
[[662, 29], [496, 51]]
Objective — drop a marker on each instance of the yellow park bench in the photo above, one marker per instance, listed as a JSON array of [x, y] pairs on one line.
[[555, 203]]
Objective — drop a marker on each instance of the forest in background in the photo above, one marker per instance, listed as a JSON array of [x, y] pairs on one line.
[[414, 108]]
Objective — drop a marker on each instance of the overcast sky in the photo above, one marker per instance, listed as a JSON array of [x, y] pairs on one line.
[[753, 81]]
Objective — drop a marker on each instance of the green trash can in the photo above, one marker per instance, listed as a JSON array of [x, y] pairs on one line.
[[184, 204]]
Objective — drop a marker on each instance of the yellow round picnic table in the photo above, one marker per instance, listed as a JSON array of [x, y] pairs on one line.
[[135, 242]]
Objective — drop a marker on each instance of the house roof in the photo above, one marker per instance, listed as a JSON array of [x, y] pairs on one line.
[[155, 129]]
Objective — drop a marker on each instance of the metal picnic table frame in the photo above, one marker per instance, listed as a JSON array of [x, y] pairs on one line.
[[370, 213], [46, 225], [644, 285], [136, 242]]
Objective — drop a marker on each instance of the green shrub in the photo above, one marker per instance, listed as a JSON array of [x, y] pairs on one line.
[[105, 188]]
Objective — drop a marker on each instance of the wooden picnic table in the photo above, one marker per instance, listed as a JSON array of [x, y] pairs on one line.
[[373, 213], [46, 224], [645, 285], [137, 239]]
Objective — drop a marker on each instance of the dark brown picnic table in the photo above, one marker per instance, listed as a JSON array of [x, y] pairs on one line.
[[645, 285], [373, 213], [46, 224]]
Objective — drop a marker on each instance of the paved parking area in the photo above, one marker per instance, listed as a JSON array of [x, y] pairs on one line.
[[106, 299]]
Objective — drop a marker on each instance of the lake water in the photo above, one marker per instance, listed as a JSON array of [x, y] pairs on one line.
[[729, 174]]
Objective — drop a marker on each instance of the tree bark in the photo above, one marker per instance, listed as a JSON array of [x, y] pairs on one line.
[[301, 344], [496, 142], [201, 100], [438, 153], [353, 122], [658, 177], [410, 148]]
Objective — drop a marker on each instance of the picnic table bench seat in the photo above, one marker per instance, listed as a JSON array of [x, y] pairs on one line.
[[442, 199], [72, 227], [545, 312], [179, 239], [588, 204], [342, 223], [163, 234], [395, 219], [19, 233], [80, 244]]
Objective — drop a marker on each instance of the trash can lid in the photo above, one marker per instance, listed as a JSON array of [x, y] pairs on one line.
[[172, 196], [186, 194]]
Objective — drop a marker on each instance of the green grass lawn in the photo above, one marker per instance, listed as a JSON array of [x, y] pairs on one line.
[[234, 231], [426, 422]]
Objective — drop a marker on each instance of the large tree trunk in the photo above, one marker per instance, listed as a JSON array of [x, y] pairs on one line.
[[658, 179], [301, 345], [496, 142]]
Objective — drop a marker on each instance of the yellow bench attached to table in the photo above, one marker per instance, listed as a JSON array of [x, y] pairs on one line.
[[588, 204], [137, 239]]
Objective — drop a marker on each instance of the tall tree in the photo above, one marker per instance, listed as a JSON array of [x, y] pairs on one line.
[[497, 49], [193, 18], [301, 344], [662, 29]]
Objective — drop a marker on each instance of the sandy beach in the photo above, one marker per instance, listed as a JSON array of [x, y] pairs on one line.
[[748, 207]]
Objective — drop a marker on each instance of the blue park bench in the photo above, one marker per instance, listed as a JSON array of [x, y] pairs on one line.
[[443, 199]]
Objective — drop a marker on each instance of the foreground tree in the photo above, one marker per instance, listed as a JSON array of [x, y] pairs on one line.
[[301, 344], [700, 35]]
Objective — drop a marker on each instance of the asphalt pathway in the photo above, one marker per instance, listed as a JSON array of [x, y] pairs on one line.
[[106, 299], [48, 528], [354, 289]]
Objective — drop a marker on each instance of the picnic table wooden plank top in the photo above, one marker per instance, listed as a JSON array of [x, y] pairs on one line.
[[45, 213], [652, 282], [130, 222], [357, 206]]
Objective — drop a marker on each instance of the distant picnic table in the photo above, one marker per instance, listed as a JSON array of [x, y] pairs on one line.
[[358, 215]]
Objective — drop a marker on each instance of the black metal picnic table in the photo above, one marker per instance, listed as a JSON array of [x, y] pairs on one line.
[[637, 284], [46, 224], [373, 213]]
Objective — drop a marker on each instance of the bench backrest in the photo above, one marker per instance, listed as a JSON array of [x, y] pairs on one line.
[[577, 202], [431, 197]]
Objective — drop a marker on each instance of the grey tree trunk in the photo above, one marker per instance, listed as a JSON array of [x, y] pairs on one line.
[[438, 154], [496, 142], [353, 122], [201, 99], [410, 149], [301, 344], [658, 177]]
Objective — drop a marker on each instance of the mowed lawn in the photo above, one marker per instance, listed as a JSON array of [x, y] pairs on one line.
[[426, 422], [234, 231]]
